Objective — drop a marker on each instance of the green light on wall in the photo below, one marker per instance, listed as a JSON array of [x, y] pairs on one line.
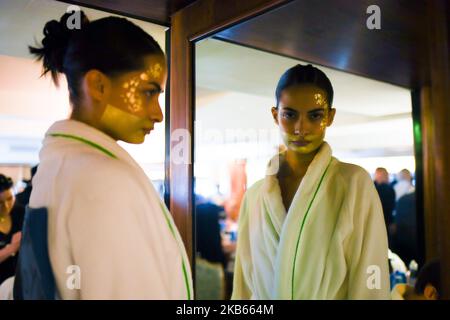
[[417, 132]]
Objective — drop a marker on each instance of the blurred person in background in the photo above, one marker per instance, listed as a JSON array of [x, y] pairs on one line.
[[404, 237], [11, 220], [404, 184], [387, 196], [427, 286]]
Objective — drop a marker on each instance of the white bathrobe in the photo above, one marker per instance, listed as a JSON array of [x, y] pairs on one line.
[[106, 218], [331, 244]]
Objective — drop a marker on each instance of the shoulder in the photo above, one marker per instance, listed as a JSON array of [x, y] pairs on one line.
[[351, 171], [360, 190], [91, 172], [255, 188], [253, 193], [251, 197], [352, 174]]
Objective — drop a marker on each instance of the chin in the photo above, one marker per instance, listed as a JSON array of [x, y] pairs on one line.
[[305, 150], [137, 139]]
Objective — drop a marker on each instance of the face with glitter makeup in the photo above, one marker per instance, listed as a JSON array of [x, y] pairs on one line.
[[303, 115], [133, 108]]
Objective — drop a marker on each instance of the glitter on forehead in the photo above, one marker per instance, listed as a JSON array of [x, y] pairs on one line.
[[320, 100], [156, 70], [144, 77]]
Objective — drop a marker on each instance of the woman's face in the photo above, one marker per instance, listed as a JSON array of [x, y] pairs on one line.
[[303, 115], [7, 200], [132, 108]]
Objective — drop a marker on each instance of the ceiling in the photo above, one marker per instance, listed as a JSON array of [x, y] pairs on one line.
[[22, 23], [156, 11], [333, 33]]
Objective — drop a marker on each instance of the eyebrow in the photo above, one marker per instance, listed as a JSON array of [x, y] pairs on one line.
[[310, 111], [288, 108], [317, 109]]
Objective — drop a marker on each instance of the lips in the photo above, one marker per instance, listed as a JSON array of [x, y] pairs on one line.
[[147, 130], [300, 143]]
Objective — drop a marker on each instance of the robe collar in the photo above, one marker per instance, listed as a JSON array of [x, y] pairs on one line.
[[79, 131], [271, 186]]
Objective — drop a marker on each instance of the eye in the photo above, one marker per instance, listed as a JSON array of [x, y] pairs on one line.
[[316, 116], [151, 93], [289, 115]]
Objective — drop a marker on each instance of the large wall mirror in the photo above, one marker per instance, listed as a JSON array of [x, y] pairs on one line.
[[235, 135]]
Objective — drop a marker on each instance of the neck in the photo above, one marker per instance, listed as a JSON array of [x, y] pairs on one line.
[[297, 163], [79, 114]]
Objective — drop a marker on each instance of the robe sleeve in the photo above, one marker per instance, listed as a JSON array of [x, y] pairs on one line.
[[107, 242], [241, 291], [368, 246]]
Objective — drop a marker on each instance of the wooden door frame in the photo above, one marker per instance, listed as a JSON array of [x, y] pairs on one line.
[[435, 116], [189, 25]]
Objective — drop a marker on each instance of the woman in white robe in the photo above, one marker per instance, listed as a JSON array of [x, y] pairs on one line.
[[109, 234], [313, 228]]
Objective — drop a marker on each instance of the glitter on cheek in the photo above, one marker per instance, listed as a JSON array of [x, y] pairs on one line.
[[130, 96], [324, 122]]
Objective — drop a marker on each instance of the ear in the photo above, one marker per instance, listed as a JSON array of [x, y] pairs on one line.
[[275, 114], [331, 115], [430, 292], [97, 85]]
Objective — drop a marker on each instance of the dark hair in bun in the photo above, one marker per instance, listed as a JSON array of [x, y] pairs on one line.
[[111, 45], [54, 44], [304, 74], [6, 183]]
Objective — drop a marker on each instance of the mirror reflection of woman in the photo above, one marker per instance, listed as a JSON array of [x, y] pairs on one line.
[[104, 214], [313, 228]]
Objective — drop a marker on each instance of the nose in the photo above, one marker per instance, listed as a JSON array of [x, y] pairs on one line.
[[302, 126], [156, 114]]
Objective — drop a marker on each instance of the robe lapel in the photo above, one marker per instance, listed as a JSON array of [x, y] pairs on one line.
[[291, 233], [273, 204]]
